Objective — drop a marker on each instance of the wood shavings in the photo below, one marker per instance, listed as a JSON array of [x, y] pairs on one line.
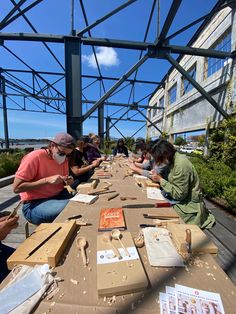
[[174, 278], [75, 282], [61, 295], [84, 292], [89, 268], [132, 306], [124, 278], [52, 304], [214, 267], [84, 279], [104, 299]]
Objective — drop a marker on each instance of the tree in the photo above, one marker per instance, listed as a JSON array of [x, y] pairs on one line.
[[180, 141]]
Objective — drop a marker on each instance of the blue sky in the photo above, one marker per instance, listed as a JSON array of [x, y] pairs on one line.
[[53, 17]]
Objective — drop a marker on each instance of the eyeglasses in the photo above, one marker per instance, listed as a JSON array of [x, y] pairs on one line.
[[61, 153]]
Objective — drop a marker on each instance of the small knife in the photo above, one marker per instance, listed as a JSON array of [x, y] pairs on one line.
[[188, 240]]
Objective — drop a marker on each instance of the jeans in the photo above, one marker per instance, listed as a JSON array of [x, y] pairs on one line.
[[5, 252], [45, 210]]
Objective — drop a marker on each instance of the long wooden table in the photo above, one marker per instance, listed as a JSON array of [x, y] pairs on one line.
[[82, 298]]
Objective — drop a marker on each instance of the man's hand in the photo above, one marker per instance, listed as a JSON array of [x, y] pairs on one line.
[[55, 179], [7, 225], [68, 180]]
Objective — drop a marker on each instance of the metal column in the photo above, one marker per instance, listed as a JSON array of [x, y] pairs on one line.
[[73, 86], [108, 121], [4, 107]]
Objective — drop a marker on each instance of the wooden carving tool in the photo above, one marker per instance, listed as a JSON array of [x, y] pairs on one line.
[[188, 240], [162, 216], [125, 198], [113, 196], [101, 192], [43, 242]]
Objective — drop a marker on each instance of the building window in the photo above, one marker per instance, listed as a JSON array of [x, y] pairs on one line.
[[154, 110], [172, 94], [186, 85], [161, 102], [215, 64]]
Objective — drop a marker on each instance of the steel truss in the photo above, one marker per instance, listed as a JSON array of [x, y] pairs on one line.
[[52, 100]]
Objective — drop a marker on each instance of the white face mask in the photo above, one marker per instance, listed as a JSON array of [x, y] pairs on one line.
[[59, 159]]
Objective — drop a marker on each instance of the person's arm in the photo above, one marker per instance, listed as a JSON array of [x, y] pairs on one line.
[[179, 188], [7, 225], [136, 169], [78, 171], [126, 151], [20, 185]]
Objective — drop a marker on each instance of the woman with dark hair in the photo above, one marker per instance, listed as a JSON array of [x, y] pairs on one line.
[[182, 185], [80, 169], [120, 149], [93, 150]]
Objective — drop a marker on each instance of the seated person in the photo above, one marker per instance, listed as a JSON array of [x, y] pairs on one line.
[[93, 150], [80, 169], [139, 151], [182, 185], [41, 177], [144, 165], [6, 251], [120, 149]]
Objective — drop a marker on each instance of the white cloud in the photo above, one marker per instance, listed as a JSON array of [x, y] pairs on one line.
[[106, 56]]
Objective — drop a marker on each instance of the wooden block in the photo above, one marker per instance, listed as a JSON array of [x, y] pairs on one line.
[[48, 253], [89, 184], [200, 242], [121, 277]]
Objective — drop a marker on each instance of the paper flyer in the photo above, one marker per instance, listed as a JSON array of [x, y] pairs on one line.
[[194, 301], [171, 300], [163, 303]]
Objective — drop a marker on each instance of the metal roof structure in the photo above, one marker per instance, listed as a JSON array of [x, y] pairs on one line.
[[42, 90]]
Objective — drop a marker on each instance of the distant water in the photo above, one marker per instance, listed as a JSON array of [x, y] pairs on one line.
[[25, 144]]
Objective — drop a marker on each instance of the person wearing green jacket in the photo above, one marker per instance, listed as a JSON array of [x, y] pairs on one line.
[[182, 185]]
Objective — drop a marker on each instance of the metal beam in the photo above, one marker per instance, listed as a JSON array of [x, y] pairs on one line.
[[15, 8], [73, 87], [196, 85], [9, 21], [4, 109], [116, 79], [114, 87], [117, 120], [152, 124], [138, 130], [105, 17], [122, 104], [170, 17], [198, 51], [35, 31]]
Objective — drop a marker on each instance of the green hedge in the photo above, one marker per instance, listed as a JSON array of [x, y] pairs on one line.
[[217, 180], [9, 162]]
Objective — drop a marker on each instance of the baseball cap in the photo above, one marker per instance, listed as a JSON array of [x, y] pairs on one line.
[[64, 140]]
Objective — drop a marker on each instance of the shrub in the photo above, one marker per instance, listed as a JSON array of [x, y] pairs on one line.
[[217, 179], [9, 162]]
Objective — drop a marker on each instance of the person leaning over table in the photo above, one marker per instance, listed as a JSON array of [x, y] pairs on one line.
[[182, 185], [41, 177], [80, 169], [93, 150], [6, 251]]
